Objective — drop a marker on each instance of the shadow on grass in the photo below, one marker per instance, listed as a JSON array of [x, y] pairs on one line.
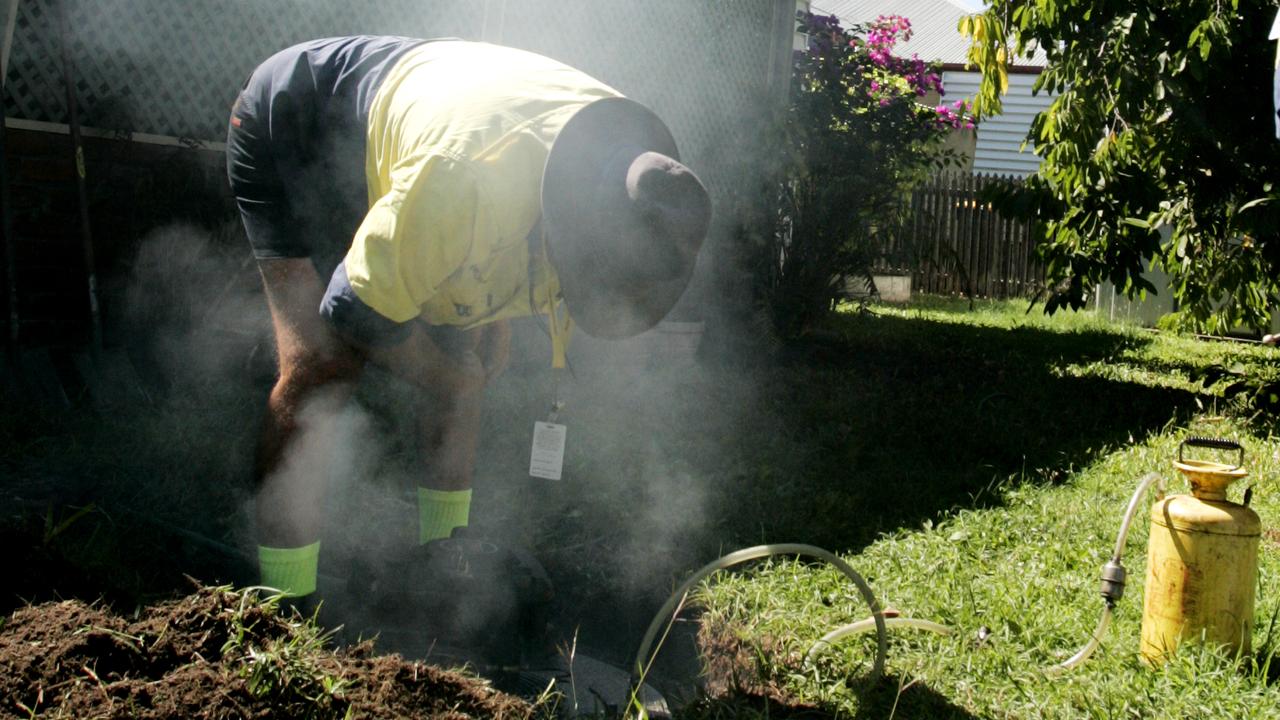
[[905, 418], [898, 696], [887, 423], [893, 696]]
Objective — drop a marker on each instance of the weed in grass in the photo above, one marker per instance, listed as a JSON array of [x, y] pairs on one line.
[[56, 526], [1264, 668]]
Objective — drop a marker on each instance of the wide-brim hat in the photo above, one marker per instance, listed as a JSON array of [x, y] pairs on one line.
[[624, 218]]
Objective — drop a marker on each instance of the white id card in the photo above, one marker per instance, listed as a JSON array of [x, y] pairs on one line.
[[547, 458]]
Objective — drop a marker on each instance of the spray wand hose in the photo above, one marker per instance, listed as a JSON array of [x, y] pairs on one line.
[[1113, 577]]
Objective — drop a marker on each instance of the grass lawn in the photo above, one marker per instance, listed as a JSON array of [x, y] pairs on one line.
[[1014, 569]]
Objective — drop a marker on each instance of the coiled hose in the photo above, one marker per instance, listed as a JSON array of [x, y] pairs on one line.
[[675, 602]]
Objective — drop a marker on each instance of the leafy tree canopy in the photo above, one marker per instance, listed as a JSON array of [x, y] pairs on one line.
[[1160, 147]]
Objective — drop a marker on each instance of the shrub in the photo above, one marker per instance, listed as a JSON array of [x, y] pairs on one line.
[[856, 137]]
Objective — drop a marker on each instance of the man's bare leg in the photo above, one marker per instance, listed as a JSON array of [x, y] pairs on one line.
[[449, 428], [450, 431], [315, 367]]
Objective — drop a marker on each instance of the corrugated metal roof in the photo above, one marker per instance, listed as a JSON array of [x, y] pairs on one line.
[[933, 23]]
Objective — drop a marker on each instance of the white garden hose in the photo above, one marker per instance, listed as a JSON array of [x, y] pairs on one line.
[[672, 607], [864, 625], [1104, 621]]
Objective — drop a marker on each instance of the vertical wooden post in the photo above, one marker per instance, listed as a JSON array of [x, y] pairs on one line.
[[963, 219], [82, 193], [6, 206], [493, 20], [989, 262], [1006, 256], [979, 231], [782, 41], [9, 11], [1024, 249], [913, 245], [978, 219], [944, 220], [952, 233], [10, 252], [926, 231]]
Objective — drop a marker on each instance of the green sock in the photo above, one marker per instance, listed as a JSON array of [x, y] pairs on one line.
[[440, 511], [290, 570]]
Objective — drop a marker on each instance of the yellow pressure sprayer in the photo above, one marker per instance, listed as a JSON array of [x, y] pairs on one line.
[[1202, 560]]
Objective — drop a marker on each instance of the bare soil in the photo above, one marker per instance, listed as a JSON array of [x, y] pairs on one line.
[[211, 654]]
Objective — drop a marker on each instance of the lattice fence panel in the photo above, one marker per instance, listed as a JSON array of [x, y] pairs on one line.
[[172, 67]]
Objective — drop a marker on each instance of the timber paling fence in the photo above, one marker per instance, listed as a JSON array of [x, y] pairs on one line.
[[954, 244]]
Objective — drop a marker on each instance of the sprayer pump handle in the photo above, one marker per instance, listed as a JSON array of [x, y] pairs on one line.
[[1215, 443]]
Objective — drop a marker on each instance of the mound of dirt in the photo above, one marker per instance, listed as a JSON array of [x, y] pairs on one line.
[[217, 653]]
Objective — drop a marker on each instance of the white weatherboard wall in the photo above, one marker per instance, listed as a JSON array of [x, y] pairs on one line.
[[999, 148]]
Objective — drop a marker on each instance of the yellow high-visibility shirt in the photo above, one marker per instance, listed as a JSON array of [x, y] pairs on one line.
[[458, 134]]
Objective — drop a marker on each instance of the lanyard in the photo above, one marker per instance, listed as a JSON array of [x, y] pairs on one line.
[[560, 330], [559, 320]]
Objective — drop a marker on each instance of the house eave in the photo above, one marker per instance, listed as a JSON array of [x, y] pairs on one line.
[[1012, 69]]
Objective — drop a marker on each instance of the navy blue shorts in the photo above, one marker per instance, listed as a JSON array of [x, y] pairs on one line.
[[296, 146]]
